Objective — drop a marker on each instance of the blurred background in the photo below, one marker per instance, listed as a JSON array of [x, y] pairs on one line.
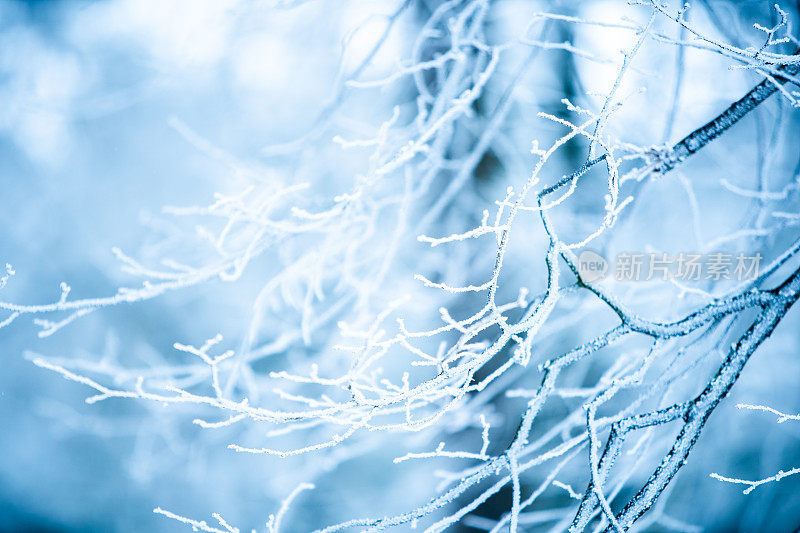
[[113, 109]]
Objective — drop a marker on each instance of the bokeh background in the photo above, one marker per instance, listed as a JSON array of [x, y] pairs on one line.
[[110, 110]]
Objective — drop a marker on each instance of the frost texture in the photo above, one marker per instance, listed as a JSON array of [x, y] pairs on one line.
[[363, 306]]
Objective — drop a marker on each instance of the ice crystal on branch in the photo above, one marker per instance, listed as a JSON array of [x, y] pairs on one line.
[[390, 282]]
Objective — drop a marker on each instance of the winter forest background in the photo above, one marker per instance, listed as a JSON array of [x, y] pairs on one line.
[[366, 264]]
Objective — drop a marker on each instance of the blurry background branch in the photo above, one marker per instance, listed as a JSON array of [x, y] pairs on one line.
[[399, 280]]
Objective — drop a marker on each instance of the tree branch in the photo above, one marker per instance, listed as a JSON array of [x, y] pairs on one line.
[[716, 127]]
